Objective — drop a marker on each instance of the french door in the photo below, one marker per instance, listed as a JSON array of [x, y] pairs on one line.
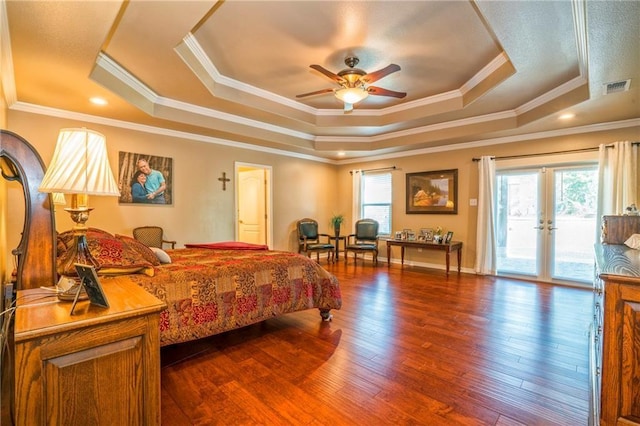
[[546, 220]]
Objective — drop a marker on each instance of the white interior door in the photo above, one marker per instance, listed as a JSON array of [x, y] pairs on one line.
[[253, 207]]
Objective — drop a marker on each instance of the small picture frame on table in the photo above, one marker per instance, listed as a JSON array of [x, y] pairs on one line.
[[91, 284], [448, 237], [427, 234]]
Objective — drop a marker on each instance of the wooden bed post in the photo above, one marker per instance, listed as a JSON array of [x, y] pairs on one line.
[[21, 162]]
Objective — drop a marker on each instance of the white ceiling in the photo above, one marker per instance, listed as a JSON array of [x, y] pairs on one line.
[[472, 70]]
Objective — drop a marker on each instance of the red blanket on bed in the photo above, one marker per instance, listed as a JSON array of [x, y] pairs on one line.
[[229, 245]]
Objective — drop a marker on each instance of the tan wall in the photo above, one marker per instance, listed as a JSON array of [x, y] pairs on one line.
[[201, 211], [4, 270], [464, 223]]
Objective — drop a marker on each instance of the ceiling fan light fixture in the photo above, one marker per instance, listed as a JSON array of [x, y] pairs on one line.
[[351, 95]]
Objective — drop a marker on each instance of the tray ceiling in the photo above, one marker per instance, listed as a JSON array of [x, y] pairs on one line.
[[231, 70]]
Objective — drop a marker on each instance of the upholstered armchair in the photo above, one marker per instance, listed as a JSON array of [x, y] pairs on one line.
[[365, 239], [310, 241], [152, 236]]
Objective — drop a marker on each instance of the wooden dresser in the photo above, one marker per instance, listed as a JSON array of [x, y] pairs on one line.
[[100, 366], [615, 336]]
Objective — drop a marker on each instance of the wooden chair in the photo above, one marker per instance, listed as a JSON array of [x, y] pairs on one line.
[[309, 240], [364, 240], [152, 236]]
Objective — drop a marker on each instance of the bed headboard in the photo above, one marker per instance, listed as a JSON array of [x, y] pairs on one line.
[[35, 254]]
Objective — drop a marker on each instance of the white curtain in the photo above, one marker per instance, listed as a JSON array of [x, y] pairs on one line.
[[617, 178], [357, 196], [486, 235]]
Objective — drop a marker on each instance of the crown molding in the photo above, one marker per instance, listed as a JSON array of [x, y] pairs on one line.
[[190, 50], [59, 113], [106, 63], [53, 112], [590, 128], [418, 130]]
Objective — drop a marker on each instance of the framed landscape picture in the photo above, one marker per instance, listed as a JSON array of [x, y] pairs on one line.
[[433, 192]]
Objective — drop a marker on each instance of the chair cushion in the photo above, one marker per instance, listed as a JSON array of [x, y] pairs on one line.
[[361, 247], [320, 247]]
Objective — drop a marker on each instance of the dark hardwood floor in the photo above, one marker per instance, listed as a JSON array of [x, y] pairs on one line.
[[409, 347]]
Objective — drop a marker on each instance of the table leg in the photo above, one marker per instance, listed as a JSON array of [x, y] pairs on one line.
[[402, 255], [459, 258], [388, 254], [448, 260]]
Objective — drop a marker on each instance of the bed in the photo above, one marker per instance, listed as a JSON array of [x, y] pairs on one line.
[[208, 289]]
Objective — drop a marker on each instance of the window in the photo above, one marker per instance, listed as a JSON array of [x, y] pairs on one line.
[[376, 199]]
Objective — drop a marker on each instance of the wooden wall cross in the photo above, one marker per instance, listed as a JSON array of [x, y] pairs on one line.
[[224, 179]]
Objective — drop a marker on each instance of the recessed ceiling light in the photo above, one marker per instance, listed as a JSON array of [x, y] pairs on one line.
[[567, 116], [98, 101]]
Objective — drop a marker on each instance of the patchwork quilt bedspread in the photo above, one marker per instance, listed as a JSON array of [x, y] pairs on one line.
[[209, 291]]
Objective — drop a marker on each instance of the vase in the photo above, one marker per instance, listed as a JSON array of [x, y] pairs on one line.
[[336, 230]]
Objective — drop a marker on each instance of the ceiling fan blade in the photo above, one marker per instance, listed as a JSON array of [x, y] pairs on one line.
[[317, 92], [332, 76], [385, 92], [377, 75]]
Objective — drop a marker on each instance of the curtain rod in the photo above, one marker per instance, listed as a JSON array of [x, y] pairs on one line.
[[569, 151], [373, 170]]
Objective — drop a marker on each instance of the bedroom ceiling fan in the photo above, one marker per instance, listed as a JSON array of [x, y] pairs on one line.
[[353, 83]]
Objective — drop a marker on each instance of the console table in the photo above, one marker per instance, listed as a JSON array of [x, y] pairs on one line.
[[446, 247]]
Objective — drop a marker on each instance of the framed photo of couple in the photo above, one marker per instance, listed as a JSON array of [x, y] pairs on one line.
[[145, 179]]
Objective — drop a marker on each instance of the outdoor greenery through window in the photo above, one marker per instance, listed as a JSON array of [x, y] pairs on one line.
[[376, 199], [546, 222]]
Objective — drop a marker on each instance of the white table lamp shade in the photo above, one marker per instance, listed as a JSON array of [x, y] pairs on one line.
[[80, 165]]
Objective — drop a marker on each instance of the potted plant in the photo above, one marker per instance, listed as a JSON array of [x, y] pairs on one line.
[[336, 221]]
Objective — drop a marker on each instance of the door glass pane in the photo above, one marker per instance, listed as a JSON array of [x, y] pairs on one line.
[[575, 194], [517, 219]]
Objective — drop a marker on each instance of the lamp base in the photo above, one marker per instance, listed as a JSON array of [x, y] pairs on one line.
[[78, 253]]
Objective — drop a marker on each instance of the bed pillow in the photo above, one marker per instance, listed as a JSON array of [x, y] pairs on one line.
[[140, 248], [65, 239], [633, 241], [161, 255], [114, 256]]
